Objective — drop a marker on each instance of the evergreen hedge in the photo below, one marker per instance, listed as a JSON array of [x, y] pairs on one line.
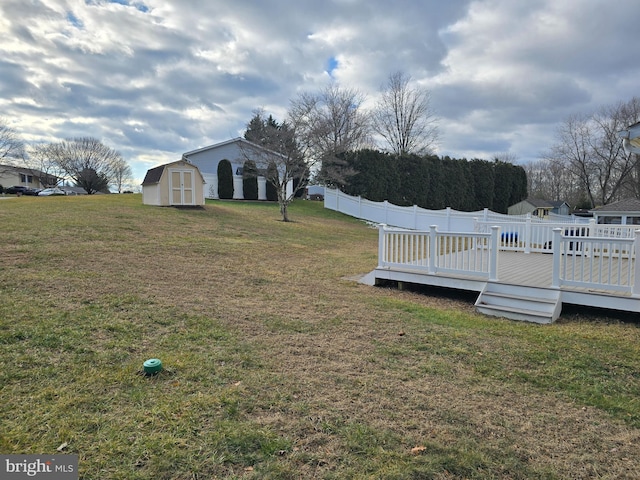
[[436, 182]]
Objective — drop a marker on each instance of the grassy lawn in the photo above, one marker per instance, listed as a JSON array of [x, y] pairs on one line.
[[276, 365]]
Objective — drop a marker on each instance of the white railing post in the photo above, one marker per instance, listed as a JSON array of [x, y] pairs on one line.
[[557, 239], [381, 245], [633, 257], [415, 217], [386, 212], [527, 234], [486, 214], [448, 219], [592, 227], [493, 265], [433, 248]]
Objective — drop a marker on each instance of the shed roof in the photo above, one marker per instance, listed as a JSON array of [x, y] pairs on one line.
[[626, 205], [155, 174]]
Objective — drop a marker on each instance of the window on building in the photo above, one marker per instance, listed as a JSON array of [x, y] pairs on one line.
[[610, 220]]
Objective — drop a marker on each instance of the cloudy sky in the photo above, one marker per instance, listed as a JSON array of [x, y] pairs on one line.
[[156, 78]]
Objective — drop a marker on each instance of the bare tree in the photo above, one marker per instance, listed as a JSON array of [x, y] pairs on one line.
[[11, 146], [549, 179], [87, 161], [328, 124], [274, 149], [122, 173], [39, 160], [573, 148], [404, 118], [591, 150]]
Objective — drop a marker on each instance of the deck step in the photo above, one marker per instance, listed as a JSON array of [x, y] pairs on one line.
[[522, 297], [529, 304]]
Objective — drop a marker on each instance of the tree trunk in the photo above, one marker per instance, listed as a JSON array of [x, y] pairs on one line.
[[284, 212]]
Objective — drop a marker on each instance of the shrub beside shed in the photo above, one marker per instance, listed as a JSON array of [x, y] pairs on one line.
[[173, 184]]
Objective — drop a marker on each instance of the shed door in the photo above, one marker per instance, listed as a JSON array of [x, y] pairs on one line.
[[181, 186]]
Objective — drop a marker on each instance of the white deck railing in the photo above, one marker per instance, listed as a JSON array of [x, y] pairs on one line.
[[534, 236], [598, 263], [464, 253]]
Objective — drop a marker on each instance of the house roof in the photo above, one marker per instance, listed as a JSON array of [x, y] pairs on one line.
[[627, 205], [155, 174], [27, 171], [558, 203], [238, 140], [539, 203]]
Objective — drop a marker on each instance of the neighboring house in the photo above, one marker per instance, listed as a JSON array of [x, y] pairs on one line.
[[631, 138], [560, 208], [624, 212], [237, 151], [173, 184], [28, 177], [534, 206]]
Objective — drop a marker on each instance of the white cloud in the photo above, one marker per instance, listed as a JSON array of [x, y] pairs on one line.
[[155, 78]]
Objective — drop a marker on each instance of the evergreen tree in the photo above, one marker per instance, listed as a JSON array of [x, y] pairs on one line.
[[483, 177], [272, 192], [250, 180], [458, 193], [434, 183], [376, 175], [225, 180]]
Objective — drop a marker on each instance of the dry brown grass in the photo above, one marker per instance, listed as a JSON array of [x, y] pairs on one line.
[[263, 336]]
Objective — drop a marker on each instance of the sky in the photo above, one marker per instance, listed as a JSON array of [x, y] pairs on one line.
[[156, 78]]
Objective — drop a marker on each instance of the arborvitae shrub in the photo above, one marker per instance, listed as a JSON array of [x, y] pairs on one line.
[[272, 194], [225, 180], [250, 180]]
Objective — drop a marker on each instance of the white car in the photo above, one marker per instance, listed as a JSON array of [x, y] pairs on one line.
[[51, 191]]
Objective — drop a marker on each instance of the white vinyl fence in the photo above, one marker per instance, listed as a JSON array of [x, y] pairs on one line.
[[416, 218]]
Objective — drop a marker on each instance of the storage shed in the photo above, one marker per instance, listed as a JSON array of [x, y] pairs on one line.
[[174, 184], [534, 206]]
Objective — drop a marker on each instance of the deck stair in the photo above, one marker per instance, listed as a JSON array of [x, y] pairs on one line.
[[516, 302]]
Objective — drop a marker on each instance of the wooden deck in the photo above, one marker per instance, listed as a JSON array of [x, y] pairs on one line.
[[534, 270]]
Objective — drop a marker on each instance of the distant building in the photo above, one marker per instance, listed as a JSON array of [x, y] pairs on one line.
[[315, 192], [236, 151], [533, 206], [11, 175], [631, 138], [560, 208], [624, 212], [539, 208]]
